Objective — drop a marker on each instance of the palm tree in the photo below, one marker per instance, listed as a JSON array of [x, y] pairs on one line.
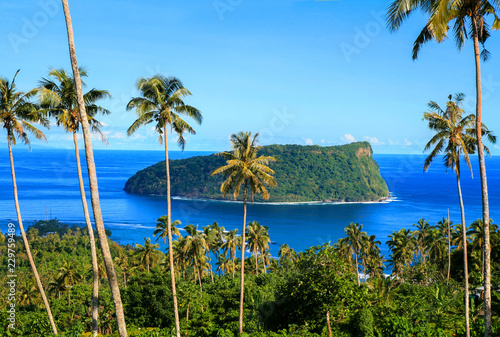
[[196, 246], [422, 237], [162, 228], [258, 241], [469, 20], [148, 254], [286, 254], [444, 227], [355, 239], [455, 136], [244, 168], [17, 113], [69, 277], [218, 239], [370, 253], [231, 243], [60, 100], [402, 246], [94, 190], [162, 103], [476, 233]]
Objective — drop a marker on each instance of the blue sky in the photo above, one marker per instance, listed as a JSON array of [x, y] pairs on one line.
[[300, 72]]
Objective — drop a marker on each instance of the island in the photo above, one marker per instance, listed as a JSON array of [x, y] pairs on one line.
[[312, 173]]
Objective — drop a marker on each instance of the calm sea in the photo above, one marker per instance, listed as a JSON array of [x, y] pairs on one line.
[[48, 187]]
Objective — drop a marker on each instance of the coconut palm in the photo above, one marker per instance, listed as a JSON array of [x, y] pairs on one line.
[[94, 190], [476, 233], [370, 254], [456, 138], [258, 241], [286, 254], [231, 244], [355, 239], [402, 246], [162, 103], [149, 254], [469, 19], [196, 246], [244, 169], [17, 115], [218, 239], [69, 276], [444, 227], [422, 237], [162, 228], [58, 96]]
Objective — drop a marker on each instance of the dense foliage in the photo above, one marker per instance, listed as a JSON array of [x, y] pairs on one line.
[[311, 293], [304, 173]]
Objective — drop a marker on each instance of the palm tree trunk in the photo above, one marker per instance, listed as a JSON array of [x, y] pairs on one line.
[[449, 246], [484, 185], [264, 263], [94, 189], [93, 251], [243, 238], [233, 255], [328, 323], [357, 271], [169, 231], [464, 243], [25, 241], [256, 264]]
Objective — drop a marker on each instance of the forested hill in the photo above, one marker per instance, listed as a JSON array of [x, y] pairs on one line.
[[303, 173]]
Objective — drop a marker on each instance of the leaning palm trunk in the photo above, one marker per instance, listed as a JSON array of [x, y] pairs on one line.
[[26, 244], [94, 190], [169, 230], [243, 238], [484, 185], [93, 252], [464, 243]]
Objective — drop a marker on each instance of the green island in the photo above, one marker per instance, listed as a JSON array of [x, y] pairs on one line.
[[345, 173]]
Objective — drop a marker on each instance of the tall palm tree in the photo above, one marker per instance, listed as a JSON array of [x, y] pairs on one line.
[[355, 239], [148, 254], [231, 244], [17, 113], [444, 227], [244, 169], [162, 103], [456, 138], [58, 96], [94, 189], [469, 19]]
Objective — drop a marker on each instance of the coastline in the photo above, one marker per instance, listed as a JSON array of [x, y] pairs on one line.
[[289, 203]]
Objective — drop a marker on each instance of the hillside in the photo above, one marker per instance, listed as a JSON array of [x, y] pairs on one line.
[[304, 173]]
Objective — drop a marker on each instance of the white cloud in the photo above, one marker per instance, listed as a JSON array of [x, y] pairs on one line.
[[348, 138], [322, 141], [119, 135], [308, 141], [373, 140], [407, 142]]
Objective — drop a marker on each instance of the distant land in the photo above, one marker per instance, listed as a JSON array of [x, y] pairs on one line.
[[345, 173]]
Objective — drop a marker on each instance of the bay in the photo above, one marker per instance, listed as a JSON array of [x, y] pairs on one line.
[[48, 188]]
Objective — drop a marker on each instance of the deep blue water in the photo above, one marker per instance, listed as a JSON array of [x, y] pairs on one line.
[[48, 186]]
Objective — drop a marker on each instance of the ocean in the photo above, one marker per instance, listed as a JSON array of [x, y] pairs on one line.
[[48, 188]]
